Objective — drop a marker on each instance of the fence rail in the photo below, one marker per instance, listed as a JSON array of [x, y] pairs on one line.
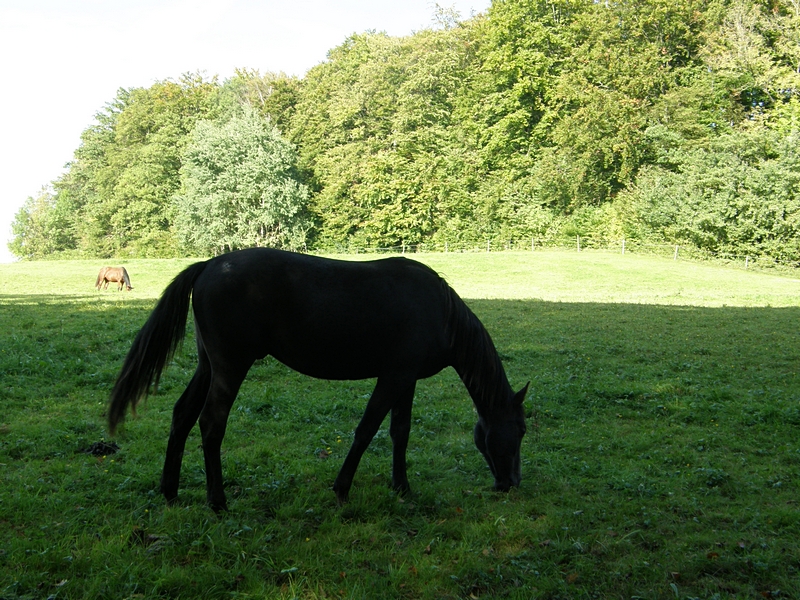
[[583, 244]]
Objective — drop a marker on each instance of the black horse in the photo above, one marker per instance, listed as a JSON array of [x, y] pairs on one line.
[[393, 319]]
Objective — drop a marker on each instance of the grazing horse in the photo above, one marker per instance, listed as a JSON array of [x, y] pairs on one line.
[[393, 319], [116, 274]]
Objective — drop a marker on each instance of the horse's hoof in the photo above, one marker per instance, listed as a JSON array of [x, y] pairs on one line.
[[171, 496], [341, 497], [402, 489]]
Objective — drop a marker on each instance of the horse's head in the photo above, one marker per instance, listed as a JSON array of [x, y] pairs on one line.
[[499, 441]]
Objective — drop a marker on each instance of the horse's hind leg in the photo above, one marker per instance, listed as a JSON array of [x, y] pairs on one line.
[[184, 416], [225, 384], [387, 394]]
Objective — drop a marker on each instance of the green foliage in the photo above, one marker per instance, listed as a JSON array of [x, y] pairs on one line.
[[239, 189], [739, 193], [539, 119], [358, 128], [272, 95], [143, 166], [124, 174], [41, 228]]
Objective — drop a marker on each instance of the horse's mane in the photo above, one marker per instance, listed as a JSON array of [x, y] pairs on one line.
[[475, 358]]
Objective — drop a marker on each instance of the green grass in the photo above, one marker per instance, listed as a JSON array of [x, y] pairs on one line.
[[662, 461]]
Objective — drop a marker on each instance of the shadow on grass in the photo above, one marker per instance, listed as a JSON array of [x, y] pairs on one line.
[[577, 355]]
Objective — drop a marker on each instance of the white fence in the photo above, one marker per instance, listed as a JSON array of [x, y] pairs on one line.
[[583, 244]]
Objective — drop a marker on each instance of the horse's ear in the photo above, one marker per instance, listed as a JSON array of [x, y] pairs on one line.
[[519, 397]]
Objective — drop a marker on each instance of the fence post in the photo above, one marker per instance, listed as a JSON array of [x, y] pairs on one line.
[[676, 253], [623, 245], [746, 261], [579, 243]]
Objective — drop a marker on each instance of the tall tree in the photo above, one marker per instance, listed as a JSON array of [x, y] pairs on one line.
[[127, 168], [273, 95], [540, 118], [624, 57], [144, 163], [239, 188], [40, 228]]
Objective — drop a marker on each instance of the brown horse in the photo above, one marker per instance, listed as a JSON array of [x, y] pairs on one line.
[[116, 274]]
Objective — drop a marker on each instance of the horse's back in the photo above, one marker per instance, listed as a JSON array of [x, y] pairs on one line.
[[327, 318]]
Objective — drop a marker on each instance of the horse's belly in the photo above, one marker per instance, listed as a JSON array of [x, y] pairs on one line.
[[333, 364], [332, 371], [361, 360]]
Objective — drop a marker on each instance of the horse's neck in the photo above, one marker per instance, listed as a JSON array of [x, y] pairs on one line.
[[479, 366]]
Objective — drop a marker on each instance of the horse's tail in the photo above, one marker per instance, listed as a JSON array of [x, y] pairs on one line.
[[154, 345], [126, 279], [100, 277]]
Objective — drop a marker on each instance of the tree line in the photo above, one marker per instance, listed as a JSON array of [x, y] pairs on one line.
[[647, 120]]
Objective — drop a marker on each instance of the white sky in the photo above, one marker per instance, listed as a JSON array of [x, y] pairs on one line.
[[61, 61]]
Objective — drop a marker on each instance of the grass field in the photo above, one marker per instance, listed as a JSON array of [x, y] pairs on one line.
[[662, 461]]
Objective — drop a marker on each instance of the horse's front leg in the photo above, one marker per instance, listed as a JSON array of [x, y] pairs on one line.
[[384, 397], [399, 431]]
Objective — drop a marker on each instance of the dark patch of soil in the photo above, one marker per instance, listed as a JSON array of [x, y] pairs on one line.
[[101, 448]]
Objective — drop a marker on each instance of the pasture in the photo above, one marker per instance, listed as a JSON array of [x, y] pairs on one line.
[[662, 458]]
